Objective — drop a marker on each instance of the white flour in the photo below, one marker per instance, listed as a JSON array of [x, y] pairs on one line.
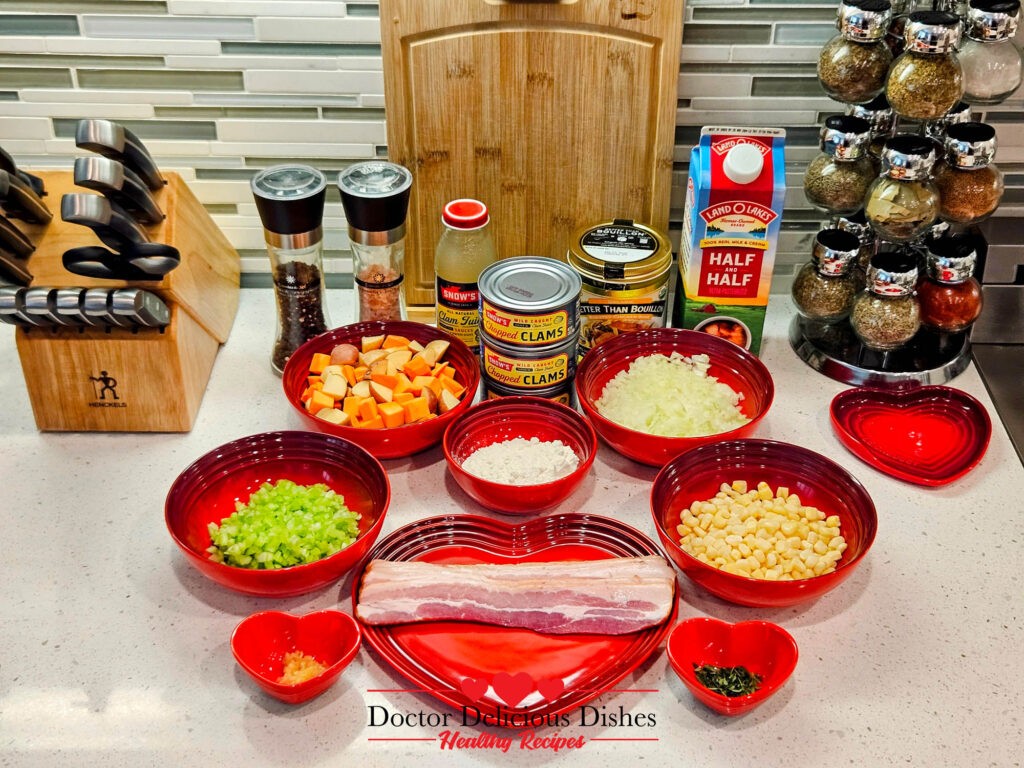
[[522, 462]]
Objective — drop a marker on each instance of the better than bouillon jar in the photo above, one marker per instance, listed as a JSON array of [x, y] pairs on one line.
[[625, 269], [529, 326]]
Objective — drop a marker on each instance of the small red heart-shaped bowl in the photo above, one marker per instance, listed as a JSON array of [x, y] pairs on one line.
[[260, 642], [764, 648]]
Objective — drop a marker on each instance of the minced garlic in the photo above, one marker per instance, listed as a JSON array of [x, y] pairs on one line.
[[298, 668]]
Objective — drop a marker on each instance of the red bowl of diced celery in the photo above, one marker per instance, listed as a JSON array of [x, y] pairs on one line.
[[224, 511], [654, 394]]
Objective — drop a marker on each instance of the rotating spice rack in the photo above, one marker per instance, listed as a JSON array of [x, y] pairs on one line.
[[930, 357], [161, 374]]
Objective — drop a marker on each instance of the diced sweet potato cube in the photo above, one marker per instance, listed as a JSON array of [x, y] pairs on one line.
[[402, 397], [416, 409], [392, 414], [451, 385], [350, 374], [360, 372], [417, 384], [438, 369], [350, 405], [319, 401], [395, 341], [384, 380], [375, 423], [401, 383], [416, 366], [319, 362], [367, 408], [436, 386]]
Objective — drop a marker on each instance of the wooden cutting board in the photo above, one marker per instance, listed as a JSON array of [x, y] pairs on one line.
[[556, 115]]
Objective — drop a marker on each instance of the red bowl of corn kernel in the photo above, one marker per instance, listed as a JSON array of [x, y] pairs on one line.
[[758, 522]]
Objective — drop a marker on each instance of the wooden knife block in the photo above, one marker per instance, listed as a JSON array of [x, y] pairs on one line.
[[125, 380]]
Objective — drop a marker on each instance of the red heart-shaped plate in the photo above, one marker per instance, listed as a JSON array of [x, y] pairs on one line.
[[260, 642], [494, 670], [764, 648], [928, 435]]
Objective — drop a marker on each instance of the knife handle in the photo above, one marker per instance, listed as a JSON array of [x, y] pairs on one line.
[[7, 163], [141, 307], [119, 183], [14, 240], [111, 223], [12, 270], [20, 200]]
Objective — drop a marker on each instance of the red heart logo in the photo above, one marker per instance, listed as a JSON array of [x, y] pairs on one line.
[[473, 689], [551, 688], [512, 689], [928, 435]]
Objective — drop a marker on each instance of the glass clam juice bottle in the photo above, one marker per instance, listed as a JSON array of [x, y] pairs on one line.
[[464, 250]]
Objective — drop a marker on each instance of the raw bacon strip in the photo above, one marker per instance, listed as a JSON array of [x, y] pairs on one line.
[[612, 596]]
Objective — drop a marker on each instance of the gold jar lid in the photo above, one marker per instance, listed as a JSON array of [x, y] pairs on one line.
[[619, 252]]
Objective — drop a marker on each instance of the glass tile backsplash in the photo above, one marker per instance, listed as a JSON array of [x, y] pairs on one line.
[[218, 91]]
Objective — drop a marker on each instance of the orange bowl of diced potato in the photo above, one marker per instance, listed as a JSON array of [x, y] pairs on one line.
[[392, 387]]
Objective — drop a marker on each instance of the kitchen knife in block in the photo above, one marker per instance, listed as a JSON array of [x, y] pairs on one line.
[[7, 163], [115, 141], [111, 223], [119, 183], [20, 201]]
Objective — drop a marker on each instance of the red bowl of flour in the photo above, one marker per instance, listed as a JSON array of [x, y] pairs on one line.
[[506, 419]]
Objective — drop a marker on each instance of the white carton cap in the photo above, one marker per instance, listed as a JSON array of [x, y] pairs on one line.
[[743, 163]]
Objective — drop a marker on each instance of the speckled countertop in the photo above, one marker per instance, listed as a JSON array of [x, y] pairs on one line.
[[115, 651]]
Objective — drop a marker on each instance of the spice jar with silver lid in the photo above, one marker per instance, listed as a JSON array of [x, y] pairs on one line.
[[880, 116], [926, 80], [936, 129], [969, 183], [948, 294], [852, 65], [885, 316], [825, 287], [990, 59], [838, 178], [857, 224], [903, 202]]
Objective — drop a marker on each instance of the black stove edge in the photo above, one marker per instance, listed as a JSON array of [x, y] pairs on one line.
[[1001, 367]]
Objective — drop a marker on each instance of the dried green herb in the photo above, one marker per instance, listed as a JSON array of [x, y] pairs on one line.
[[968, 195], [853, 72], [728, 681], [924, 86], [824, 298], [885, 322], [838, 186]]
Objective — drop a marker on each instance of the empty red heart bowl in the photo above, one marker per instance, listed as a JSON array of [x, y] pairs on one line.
[[206, 492], [506, 418], [926, 435], [764, 648], [698, 474], [260, 642], [392, 442], [732, 365]]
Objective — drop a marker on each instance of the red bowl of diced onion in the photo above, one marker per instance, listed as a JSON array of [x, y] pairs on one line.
[[704, 407], [499, 450]]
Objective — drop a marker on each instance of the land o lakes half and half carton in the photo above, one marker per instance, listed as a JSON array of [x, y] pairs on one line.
[[734, 199]]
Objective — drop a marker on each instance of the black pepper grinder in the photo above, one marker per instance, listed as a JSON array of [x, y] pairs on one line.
[[290, 201]]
